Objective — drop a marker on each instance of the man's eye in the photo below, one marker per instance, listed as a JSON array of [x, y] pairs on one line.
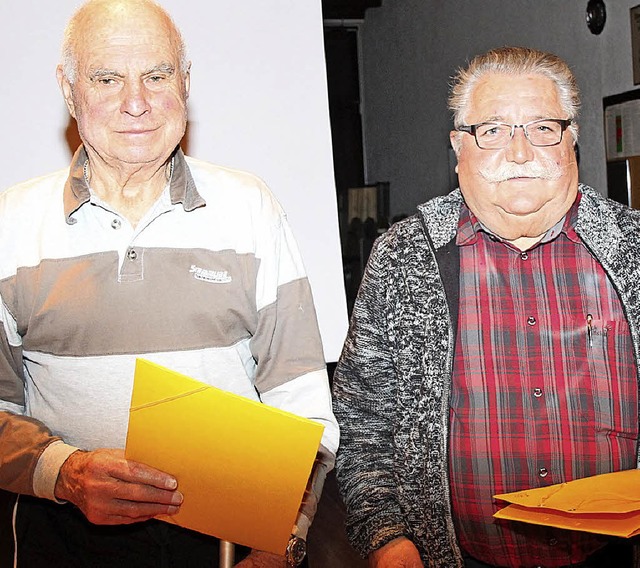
[[106, 81], [491, 130], [156, 78]]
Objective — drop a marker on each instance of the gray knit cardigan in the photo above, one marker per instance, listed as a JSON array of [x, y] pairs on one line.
[[392, 383]]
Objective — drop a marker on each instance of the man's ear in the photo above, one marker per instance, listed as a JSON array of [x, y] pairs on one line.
[[454, 138], [187, 82], [67, 90]]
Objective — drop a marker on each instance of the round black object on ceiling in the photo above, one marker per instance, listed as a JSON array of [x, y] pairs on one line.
[[596, 16]]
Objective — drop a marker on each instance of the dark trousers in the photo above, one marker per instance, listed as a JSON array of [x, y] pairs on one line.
[[617, 554], [50, 535]]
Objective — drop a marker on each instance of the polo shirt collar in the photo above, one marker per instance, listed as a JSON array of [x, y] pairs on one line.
[[182, 187]]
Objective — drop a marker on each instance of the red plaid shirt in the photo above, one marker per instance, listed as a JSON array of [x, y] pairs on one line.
[[535, 401]]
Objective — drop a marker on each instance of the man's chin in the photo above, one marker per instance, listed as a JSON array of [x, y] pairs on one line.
[[521, 213], [516, 223], [142, 157]]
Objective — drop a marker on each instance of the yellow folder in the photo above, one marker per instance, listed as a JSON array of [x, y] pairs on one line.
[[241, 465], [603, 504]]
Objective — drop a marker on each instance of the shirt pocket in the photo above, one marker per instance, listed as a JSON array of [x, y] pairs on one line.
[[604, 378]]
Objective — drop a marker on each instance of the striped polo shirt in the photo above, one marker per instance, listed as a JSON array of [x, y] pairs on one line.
[[210, 283]]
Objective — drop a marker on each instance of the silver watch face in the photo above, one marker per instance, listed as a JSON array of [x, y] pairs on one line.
[[296, 550]]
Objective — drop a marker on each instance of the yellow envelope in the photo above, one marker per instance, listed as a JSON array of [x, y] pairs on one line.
[[241, 465], [603, 504]]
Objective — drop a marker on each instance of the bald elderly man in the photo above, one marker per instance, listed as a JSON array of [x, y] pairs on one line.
[[137, 250]]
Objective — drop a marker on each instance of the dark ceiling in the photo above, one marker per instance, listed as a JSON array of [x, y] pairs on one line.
[[347, 9]]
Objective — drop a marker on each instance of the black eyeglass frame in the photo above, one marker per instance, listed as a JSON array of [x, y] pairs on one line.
[[472, 128]]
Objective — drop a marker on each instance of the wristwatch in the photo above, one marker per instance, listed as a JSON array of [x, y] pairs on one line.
[[296, 551]]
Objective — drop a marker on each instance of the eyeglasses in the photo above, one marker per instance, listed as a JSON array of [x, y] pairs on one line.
[[496, 135]]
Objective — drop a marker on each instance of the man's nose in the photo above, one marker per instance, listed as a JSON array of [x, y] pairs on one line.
[[519, 149], [135, 99]]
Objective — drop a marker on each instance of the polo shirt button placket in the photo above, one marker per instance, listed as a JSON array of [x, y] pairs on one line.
[[131, 269]]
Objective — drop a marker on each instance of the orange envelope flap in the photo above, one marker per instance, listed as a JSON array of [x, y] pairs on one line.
[[241, 465], [614, 524], [617, 492]]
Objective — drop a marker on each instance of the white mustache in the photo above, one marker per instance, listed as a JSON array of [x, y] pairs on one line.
[[541, 170]]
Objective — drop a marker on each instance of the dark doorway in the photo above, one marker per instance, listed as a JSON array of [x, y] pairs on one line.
[[343, 79]]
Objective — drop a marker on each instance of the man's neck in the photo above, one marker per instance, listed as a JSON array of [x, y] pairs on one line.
[[130, 192], [525, 243]]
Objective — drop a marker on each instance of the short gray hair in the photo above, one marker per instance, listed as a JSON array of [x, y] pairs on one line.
[[515, 61], [69, 57]]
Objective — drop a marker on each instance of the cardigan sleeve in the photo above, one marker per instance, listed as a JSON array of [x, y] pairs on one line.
[[364, 403]]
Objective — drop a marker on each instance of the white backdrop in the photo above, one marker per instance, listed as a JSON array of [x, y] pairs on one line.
[[258, 102]]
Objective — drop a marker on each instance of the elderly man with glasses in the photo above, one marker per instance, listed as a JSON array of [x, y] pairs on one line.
[[495, 340]]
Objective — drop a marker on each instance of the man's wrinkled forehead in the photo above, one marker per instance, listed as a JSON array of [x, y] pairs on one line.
[[122, 24], [498, 97]]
